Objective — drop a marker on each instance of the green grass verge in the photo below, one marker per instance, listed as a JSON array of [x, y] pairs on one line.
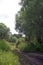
[[8, 58]]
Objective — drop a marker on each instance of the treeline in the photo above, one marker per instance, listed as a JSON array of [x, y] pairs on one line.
[[7, 35], [29, 21]]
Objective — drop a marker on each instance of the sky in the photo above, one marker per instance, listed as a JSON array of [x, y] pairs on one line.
[[8, 10]]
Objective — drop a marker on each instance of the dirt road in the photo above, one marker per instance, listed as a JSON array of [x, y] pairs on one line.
[[30, 58]]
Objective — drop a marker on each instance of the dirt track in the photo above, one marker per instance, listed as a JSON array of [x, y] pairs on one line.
[[30, 58]]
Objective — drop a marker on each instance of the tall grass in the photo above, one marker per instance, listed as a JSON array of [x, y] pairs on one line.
[[8, 58]]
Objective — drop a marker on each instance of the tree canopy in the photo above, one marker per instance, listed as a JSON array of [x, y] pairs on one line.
[[3, 30], [29, 20]]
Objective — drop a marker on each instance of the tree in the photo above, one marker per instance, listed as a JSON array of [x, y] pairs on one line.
[[29, 19], [4, 31]]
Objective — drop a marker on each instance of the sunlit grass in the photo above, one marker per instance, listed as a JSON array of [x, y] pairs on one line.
[[8, 58]]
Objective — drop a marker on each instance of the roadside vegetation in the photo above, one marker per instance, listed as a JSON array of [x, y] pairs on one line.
[[29, 22], [7, 57]]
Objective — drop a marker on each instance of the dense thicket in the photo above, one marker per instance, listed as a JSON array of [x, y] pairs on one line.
[[29, 20]]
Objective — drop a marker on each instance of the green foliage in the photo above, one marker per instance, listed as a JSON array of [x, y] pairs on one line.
[[4, 46], [29, 19], [4, 31], [8, 58], [20, 41], [31, 47], [12, 38], [21, 44]]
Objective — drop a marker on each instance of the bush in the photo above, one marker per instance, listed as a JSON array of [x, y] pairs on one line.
[[22, 45], [39, 48], [4, 46], [33, 47]]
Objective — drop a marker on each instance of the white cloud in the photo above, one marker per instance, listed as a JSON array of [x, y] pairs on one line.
[[8, 10]]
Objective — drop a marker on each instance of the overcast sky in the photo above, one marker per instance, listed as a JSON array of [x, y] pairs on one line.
[[8, 10]]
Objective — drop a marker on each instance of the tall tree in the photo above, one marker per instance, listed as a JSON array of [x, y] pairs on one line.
[[29, 19]]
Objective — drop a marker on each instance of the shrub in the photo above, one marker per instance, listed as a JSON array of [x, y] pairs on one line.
[[4, 46], [33, 47], [22, 45]]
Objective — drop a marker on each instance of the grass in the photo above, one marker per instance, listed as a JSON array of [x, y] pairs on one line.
[[8, 58], [9, 54]]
